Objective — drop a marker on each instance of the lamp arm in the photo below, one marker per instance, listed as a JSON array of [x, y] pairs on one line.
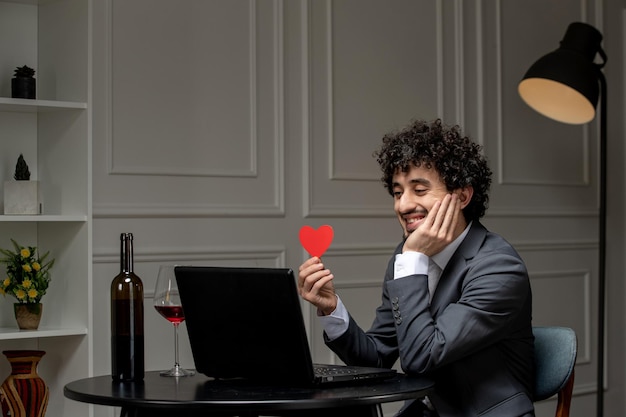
[[602, 243]]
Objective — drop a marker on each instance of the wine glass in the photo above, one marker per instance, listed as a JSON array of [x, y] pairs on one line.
[[167, 303]]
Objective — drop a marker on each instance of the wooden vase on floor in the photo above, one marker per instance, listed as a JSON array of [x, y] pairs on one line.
[[23, 393]]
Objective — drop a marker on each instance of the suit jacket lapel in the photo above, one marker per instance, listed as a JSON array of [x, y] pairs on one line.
[[452, 276]]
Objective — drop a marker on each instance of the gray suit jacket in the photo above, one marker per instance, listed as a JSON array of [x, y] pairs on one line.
[[475, 339]]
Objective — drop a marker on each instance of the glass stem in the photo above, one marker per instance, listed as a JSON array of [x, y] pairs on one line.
[[176, 365]]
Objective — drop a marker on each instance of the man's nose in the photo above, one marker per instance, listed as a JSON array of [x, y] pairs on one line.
[[406, 203]]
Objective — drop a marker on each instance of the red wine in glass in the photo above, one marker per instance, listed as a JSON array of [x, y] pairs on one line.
[[173, 314], [167, 303]]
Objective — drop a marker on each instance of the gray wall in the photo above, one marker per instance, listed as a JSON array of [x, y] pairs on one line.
[[221, 127]]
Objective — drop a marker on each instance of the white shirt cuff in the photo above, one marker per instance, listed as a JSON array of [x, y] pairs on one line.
[[410, 263], [336, 323]]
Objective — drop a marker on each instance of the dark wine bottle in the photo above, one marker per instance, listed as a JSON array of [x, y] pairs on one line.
[[127, 343]]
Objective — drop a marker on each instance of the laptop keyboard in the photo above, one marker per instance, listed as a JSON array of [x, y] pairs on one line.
[[325, 370]]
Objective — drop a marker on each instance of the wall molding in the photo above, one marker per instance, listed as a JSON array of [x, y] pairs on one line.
[[195, 253], [275, 208], [139, 170], [585, 276], [128, 210]]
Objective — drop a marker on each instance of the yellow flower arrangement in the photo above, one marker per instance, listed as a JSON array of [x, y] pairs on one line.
[[28, 276]]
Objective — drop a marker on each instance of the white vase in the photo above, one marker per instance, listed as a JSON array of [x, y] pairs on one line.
[[22, 197]]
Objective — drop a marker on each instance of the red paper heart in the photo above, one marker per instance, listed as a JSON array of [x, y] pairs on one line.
[[315, 242]]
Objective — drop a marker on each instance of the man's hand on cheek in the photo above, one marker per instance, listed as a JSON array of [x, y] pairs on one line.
[[438, 228]]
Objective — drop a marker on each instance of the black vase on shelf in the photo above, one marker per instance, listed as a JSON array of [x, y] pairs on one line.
[[23, 85]]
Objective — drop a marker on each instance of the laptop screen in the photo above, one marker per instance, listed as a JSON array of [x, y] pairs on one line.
[[245, 323]]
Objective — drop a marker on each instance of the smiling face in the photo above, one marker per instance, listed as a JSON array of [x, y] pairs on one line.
[[414, 194]]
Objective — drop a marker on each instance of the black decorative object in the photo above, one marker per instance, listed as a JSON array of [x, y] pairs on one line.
[[22, 173], [23, 84]]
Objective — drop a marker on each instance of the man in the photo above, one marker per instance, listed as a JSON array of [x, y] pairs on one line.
[[456, 303]]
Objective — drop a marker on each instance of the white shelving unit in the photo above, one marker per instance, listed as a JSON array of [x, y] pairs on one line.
[[53, 132], [20, 105], [11, 333], [43, 218]]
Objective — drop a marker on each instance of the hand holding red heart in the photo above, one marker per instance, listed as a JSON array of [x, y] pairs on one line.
[[315, 282]]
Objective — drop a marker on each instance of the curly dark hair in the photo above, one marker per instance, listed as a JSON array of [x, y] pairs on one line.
[[456, 158]]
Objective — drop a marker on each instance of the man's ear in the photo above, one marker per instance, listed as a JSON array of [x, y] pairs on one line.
[[465, 195]]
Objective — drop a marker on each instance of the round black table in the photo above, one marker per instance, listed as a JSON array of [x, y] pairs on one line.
[[202, 396]]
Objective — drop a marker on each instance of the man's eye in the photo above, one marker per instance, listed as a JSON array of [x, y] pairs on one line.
[[420, 190], [397, 194]]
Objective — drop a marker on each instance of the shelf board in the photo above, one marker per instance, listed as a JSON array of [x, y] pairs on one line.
[[23, 105], [43, 218], [11, 333], [33, 2]]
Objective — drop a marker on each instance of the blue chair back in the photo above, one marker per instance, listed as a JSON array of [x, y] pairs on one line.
[[555, 357]]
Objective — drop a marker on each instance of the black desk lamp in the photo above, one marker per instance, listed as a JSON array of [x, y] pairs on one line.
[[564, 85]]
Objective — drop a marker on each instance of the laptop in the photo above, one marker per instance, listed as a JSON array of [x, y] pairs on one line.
[[247, 323]]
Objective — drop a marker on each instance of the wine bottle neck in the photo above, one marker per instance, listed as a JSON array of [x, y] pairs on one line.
[[126, 253]]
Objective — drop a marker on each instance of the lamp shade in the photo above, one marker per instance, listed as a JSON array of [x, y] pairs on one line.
[[563, 85]]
